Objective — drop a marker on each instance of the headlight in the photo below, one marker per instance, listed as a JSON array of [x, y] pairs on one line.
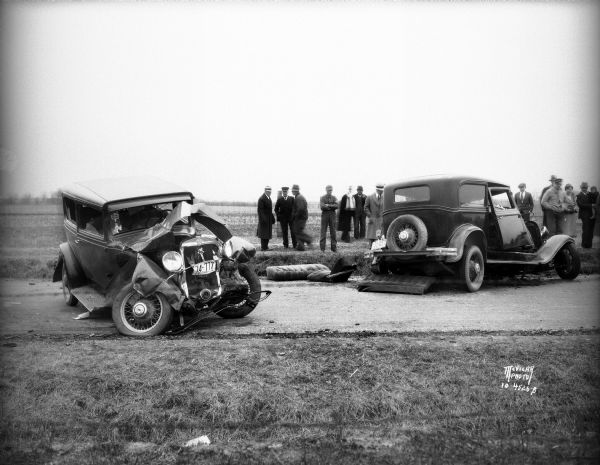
[[172, 261], [228, 249]]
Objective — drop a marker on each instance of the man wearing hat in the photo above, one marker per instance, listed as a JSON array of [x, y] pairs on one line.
[[265, 218], [329, 205], [552, 201], [299, 218], [374, 212], [552, 179], [586, 214], [524, 202], [283, 212], [360, 217]]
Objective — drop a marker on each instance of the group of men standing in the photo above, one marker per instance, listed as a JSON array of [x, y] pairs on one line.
[[292, 214], [362, 212], [558, 206]]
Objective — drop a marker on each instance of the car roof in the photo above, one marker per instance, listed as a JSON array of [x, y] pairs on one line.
[[442, 178], [104, 191]]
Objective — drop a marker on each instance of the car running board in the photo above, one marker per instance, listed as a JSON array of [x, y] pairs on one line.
[[396, 283], [90, 298]]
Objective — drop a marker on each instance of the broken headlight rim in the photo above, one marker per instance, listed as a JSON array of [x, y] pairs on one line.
[[228, 249], [172, 261]]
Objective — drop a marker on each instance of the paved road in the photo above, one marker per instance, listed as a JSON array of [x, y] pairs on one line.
[[36, 307]]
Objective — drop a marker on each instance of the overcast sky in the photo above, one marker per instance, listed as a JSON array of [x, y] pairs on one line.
[[224, 98]]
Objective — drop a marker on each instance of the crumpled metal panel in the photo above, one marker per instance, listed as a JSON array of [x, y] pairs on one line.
[[149, 278]]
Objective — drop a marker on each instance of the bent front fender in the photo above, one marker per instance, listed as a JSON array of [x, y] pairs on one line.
[[550, 248], [149, 278], [242, 250], [460, 236]]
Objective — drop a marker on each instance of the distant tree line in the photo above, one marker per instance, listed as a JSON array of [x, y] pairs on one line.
[[54, 197], [28, 199]]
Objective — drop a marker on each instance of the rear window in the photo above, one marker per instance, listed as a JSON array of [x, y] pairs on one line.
[[411, 194]]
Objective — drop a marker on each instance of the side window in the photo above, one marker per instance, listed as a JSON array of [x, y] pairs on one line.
[[69, 210], [90, 220], [501, 200], [411, 194], [471, 195]]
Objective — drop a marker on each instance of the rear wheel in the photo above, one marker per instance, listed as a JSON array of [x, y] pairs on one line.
[[406, 233], [135, 315], [241, 292], [567, 262], [70, 299], [472, 268]]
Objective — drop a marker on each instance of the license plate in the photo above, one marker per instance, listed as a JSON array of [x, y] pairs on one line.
[[204, 267]]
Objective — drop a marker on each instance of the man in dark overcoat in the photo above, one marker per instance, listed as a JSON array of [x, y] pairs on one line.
[[586, 215], [299, 218], [283, 212], [360, 217], [346, 214], [266, 219], [524, 202]]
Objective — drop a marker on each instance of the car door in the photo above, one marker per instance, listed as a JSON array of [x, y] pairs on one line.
[[510, 225], [90, 245]]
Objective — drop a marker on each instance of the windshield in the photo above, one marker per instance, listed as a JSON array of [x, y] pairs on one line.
[[140, 217], [137, 227]]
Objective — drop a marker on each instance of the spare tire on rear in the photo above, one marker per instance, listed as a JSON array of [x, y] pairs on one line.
[[407, 233]]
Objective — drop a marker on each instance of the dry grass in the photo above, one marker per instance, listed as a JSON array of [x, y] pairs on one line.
[[318, 400]]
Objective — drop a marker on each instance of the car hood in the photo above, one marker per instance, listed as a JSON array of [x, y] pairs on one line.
[[200, 212]]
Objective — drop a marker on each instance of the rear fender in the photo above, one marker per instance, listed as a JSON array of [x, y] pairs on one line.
[[460, 236], [550, 248], [67, 258]]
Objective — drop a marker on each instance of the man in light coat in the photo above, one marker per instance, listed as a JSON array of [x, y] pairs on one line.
[[374, 212], [553, 201]]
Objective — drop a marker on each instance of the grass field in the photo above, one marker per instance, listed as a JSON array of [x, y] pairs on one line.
[[321, 400], [31, 234]]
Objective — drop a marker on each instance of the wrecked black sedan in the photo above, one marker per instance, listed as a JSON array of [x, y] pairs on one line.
[[147, 249]]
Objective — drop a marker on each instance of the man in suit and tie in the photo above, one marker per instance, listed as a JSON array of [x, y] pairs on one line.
[[283, 212], [374, 212], [524, 202]]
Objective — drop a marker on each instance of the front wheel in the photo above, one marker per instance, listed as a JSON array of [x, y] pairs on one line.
[[472, 268], [135, 315], [241, 292], [567, 262]]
